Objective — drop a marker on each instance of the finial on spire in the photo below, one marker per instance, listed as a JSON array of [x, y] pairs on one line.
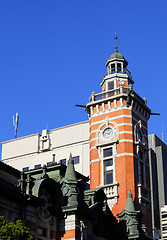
[[116, 48]]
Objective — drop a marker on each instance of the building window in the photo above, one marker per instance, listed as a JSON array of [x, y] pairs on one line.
[[38, 166], [112, 68], [25, 169], [111, 85], [108, 165], [141, 168], [110, 89], [139, 136], [76, 159], [108, 171], [141, 173], [107, 152], [63, 161]]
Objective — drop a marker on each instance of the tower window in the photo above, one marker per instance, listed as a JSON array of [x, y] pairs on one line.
[[118, 67], [141, 168], [111, 85], [107, 152], [112, 68], [108, 171], [108, 165], [139, 136], [141, 176]]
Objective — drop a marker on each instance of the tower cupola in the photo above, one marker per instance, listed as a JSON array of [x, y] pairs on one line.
[[117, 67], [116, 61]]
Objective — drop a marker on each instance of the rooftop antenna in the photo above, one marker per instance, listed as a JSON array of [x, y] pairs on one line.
[[116, 48], [16, 123]]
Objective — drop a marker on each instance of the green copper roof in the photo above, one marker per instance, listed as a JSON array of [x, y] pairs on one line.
[[70, 171], [116, 55], [129, 203]]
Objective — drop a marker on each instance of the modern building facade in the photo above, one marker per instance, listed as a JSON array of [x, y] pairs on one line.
[[158, 176], [164, 222], [111, 147]]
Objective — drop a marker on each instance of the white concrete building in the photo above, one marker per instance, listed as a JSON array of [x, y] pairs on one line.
[[35, 150]]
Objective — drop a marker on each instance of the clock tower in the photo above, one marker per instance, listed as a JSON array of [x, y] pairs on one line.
[[119, 139]]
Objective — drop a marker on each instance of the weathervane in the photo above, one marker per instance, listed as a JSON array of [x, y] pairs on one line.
[[16, 123], [116, 48]]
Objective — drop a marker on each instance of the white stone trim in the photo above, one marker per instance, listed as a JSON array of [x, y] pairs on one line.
[[125, 154], [120, 141], [97, 108], [91, 110], [120, 124], [93, 139], [94, 160], [94, 147], [128, 132], [125, 140], [121, 102], [134, 109], [112, 118], [103, 107], [115, 103], [109, 105]]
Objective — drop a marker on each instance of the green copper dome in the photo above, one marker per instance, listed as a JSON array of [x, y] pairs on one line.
[[116, 55]]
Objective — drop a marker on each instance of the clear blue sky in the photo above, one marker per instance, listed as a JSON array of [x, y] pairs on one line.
[[53, 54]]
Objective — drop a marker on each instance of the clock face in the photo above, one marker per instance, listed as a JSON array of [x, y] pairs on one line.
[[107, 133]]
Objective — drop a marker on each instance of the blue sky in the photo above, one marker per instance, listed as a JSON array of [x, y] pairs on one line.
[[53, 54]]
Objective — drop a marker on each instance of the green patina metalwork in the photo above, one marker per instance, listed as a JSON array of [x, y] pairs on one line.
[[130, 220], [116, 55], [70, 174]]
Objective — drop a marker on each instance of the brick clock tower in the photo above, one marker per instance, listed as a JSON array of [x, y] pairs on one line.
[[119, 139]]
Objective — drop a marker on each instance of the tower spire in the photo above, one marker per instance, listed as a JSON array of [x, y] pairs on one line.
[[116, 48], [70, 171], [129, 203]]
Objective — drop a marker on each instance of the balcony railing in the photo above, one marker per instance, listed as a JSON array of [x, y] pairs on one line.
[[111, 191], [117, 70], [110, 93]]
